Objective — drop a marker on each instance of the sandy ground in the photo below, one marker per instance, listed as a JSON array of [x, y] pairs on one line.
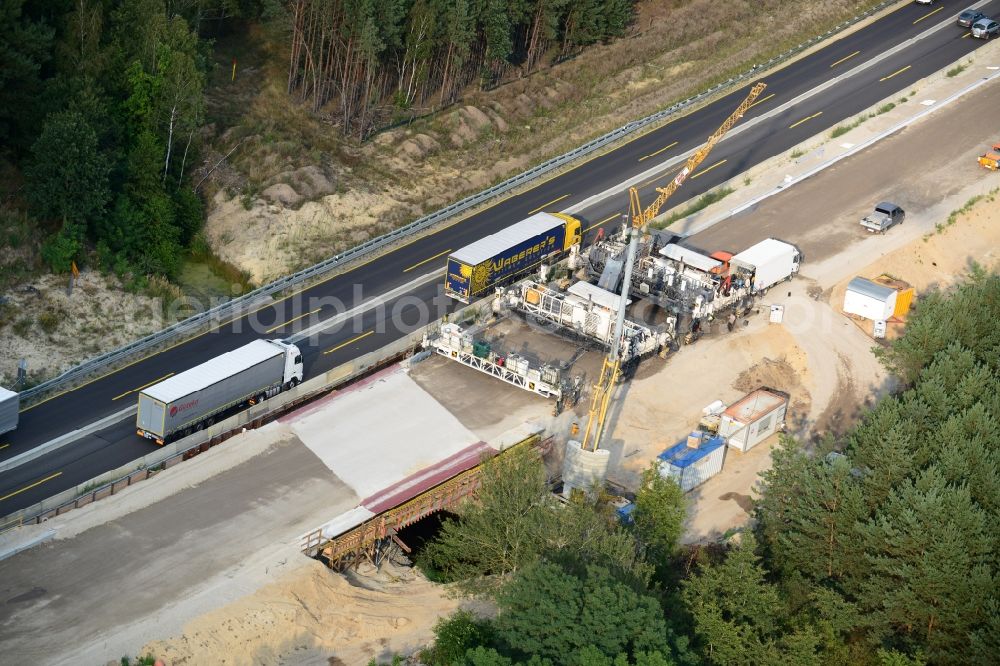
[[61, 330], [315, 617]]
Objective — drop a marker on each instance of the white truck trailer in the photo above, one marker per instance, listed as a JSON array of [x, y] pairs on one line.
[[181, 404], [768, 263], [9, 408]]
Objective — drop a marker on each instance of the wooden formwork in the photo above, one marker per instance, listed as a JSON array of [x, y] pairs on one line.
[[368, 540], [365, 540]]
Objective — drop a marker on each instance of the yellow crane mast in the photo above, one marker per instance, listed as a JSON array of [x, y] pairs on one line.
[[611, 369]]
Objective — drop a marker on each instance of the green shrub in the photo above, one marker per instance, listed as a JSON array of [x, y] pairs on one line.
[[49, 321]]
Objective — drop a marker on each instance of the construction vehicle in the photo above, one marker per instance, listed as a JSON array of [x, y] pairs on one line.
[[499, 258], [192, 400], [585, 311], [991, 159], [639, 219]]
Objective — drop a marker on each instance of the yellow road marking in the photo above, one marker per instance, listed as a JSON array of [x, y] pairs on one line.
[[659, 151], [968, 34], [707, 169], [796, 124], [36, 483], [3, 446], [142, 387], [344, 344], [597, 224], [928, 15], [275, 328], [898, 71], [845, 58], [532, 212], [761, 101], [407, 270]]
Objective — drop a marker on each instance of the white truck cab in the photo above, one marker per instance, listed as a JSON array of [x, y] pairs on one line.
[[293, 364]]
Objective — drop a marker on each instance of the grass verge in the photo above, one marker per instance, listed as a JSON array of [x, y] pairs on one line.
[[941, 226], [702, 202], [841, 130]]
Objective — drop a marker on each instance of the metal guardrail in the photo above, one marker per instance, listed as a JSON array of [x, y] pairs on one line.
[[262, 294]]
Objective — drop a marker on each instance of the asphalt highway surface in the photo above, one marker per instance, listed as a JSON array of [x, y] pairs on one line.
[[402, 306]]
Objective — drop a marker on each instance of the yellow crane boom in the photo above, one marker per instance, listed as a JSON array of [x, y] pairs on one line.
[[640, 217], [611, 368]]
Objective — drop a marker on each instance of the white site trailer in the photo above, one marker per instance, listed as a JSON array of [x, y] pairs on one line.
[[191, 400], [769, 261], [869, 299], [754, 418]]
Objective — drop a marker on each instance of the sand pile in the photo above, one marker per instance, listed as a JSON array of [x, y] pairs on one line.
[[315, 616]]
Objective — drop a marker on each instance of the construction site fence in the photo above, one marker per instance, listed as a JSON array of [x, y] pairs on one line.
[[116, 480], [263, 295]]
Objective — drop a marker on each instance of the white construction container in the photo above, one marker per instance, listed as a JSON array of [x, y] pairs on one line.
[[770, 261], [754, 418], [693, 460], [869, 299]]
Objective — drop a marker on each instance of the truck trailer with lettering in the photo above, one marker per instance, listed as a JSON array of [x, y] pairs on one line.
[[501, 257], [190, 401]]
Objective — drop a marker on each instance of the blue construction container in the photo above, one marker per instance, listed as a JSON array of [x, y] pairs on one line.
[[693, 460]]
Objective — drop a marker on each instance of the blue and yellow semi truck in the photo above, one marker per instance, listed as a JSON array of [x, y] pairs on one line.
[[501, 257]]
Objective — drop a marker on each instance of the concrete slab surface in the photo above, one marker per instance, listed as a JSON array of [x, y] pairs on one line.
[[376, 433]]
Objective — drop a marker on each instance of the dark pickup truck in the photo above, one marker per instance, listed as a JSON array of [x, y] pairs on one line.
[[885, 216]]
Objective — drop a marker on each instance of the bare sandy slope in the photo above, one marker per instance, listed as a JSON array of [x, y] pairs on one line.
[[54, 330]]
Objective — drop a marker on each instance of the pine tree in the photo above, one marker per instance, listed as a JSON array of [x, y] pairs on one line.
[[809, 512], [736, 612], [929, 556]]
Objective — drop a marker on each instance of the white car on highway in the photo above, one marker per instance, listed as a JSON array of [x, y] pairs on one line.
[[985, 28]]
